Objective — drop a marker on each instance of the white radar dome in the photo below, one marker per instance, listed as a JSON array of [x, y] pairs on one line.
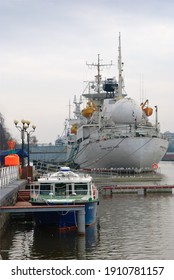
[[126, 111]]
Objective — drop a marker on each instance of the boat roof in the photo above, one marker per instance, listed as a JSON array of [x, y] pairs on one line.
[[64, 175]]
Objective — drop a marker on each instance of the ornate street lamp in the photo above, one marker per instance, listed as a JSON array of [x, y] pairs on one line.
[[23, 129]]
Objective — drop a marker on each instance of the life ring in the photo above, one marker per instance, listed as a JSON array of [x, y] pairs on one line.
[[155, 166]]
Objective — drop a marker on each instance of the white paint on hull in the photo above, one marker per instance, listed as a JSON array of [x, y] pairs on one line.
[[130, 152]]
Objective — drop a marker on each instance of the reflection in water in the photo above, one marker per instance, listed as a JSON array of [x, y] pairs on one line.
[[67, 245], [139, 228], [31, 242], [129, 226]]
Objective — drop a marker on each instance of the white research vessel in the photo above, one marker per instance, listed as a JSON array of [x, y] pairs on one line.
[[114, 131]]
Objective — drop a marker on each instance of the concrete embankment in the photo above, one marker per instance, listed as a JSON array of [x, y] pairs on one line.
[[8, 197]]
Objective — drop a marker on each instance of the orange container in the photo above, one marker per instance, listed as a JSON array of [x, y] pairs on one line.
[[12, 160]]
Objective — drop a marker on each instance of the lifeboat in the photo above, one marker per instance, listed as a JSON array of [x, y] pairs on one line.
[[147, 110], [90, 109], [12, 160], [74, 129]]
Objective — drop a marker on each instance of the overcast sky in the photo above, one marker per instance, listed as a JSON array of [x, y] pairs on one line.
[[44, 46]]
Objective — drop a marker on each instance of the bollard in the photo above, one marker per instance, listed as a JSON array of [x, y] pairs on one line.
[[81, 221]]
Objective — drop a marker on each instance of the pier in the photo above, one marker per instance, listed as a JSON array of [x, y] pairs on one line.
[[80, 209], [8, 197], [141, 190], [14, 195]]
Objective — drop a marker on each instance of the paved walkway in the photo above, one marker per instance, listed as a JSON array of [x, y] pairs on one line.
[[9, 189]]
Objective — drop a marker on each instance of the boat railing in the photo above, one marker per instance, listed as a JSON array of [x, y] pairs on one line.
[[122, 172], [120, 131]]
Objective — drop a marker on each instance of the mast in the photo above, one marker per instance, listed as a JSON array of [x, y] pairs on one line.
[[98, 74], [120, 70], [69, 110], [98, 65], [77, 111]]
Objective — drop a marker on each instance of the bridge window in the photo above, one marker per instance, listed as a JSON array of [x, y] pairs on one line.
[[81, 189], [60, 189]]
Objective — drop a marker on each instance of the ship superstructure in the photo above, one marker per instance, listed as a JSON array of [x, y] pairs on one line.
[[114, 131]]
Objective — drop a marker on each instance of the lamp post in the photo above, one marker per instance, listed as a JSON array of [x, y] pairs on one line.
[[28, 142], [23, 128]]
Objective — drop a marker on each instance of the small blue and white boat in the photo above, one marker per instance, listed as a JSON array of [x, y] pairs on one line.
[[64, 187]]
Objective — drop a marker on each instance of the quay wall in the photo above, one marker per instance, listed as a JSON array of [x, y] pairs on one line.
[[8, 197]]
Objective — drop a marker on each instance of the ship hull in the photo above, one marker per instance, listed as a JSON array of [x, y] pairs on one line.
[[129, 152], [66, 219]]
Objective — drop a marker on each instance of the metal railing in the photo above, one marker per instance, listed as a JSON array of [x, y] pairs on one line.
[[8, 175]]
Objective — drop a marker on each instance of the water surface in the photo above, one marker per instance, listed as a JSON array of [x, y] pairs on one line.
[[128, 226]]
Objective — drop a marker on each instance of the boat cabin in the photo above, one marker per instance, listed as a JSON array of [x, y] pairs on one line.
[[64, 184], [63, 189]]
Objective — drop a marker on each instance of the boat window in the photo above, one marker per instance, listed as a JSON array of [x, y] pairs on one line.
[[80, 188], [45, 188], [34, 189], [79, 140], [69, 190], [60, 189]]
